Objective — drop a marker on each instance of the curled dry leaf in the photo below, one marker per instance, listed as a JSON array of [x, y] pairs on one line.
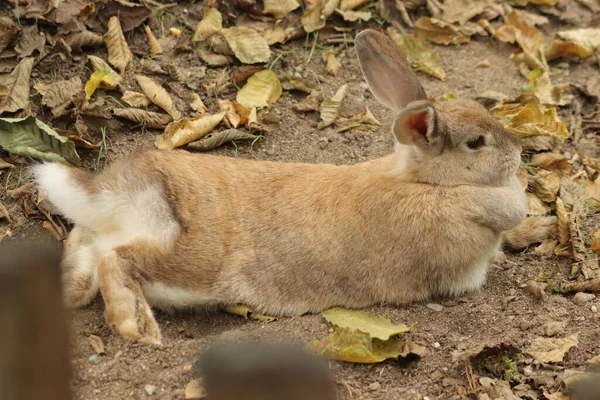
[[59, 95], [97, 79], [4, 215], [78, 40], [100, 65], [247, 45], [214, 60], [180, 133], [333, 65], [30, 40], [279, 8], [16, 86], [546, 185], [352, 4], [537, 289], [135, 99], [564, 233], [175, 73], [461, 11], [261, 90], [552, 162], [195, 390], [535, 206], [155, 47], [119, 53], [30, 137], [527, 120], [545, 91], [197, 105], [9, 31], [577, 42], [310, 103], [245, 311], [158, 95], [547, 350], [330, 108], [148, 119], [353, 16], [440, 32], [363, 121], [218, 139], [289, 82], [419, 54], [376, 327], [316, 13], [211, 23], [527, 37], [97, 344]]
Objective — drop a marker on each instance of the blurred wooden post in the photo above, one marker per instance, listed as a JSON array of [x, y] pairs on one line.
[[34, 359], [253, 371]]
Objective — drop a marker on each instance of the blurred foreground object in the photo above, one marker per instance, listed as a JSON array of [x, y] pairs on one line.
[[34, 360], [253, 371]]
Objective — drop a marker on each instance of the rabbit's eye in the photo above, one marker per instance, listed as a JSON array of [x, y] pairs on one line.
[[476, 144]]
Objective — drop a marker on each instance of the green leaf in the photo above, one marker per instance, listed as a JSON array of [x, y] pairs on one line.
[[31, 137], [376, 327]]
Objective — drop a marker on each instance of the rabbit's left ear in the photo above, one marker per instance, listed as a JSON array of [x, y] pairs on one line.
[[418, 125]]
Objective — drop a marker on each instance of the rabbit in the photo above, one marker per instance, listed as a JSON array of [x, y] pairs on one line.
[[169, 229]]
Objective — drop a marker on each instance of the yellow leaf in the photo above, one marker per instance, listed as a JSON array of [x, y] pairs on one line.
[[419, 54], [440, 32], [462, 11], [535, 206], [158, 95], [279, 8], [352, 4], [537, 2], [155, 47], [245, 311], [330, 108], [197, 104], [119, 53], [261, 89], [333, 65], [364, 121], [376, 327], [577, 42], [353, 16], [564, 233], [545, 91], [552, 162], [97, 344], [135, 99], [148, 119], [211, 23], [100, 65], [180, 133], [95, 80], [195, 390], [553, 350], [247, 45], [316, 13], [546, 185], [527, 37], [527, 120]]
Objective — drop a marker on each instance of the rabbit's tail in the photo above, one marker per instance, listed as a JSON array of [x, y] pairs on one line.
[[531, 230], [73, 192]]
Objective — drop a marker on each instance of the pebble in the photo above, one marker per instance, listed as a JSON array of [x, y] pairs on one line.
[[582, 298], [95, 359], [375, 386], [528, 371], [437, 345], [271, 151], [594, 309], [150, 389], [435, 307]]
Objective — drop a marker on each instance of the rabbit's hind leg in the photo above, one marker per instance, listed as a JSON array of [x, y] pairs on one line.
[[79, 268], [126, 310]]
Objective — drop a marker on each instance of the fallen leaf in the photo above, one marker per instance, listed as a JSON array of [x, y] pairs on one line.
[[59, 95], [537, 2], [119, 53], [243, 72], [158, 95], [17, 86], [4, 215], [195, 390], [7, 233], [352, 4], [289, 82], [97, 344], [535, 206], [100, 65], [551, 350], [210, 24], [527, 37], [279, 8], [196, 104], [497, 389], [316, 13], [552, 162], [247, 45], [564, 234], [213, 59], [440, 32], [9, 31], [333, 65], [218, 139], [29, 41], [180, 133], [311, 103], [527, 120], [155, 47], [245, 311], [376, 327], [537, 289], [30, 137], [130, 14], [419, 54], [577, 42], [547, 92], [52, 230], [77, 139], [262, 89], [330, 108], [594, 360], [148, 119], [135, 99], [363, 121], [352, 345], [78, 40], [546, 185], [96, 79], [353, 16]]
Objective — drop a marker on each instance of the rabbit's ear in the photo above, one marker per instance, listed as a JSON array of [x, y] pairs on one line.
[[418, 125], [387, 72]]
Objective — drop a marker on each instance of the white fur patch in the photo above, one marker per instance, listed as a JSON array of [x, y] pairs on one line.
[[161, 296]]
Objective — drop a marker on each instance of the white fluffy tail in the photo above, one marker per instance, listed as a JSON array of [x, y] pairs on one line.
[[65, 191]]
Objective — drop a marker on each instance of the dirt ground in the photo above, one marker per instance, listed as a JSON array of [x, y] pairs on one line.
[[502, 312]]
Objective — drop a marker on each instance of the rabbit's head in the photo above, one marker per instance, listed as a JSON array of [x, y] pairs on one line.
[[448, 143]]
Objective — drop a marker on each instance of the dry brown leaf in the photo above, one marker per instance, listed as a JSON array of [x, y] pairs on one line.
[[212, 59], [310, 103], [289, 82], [211, 23], [52, 230], [419, 54], [155, 47], [535, 206], [17, 85], [552, 162], [180, 133], [594, 360], [545, 91], [363, 121], [527, 120], [30, 40], [261, 90], [197, 105], [135, 99], [330, 108], [546, 185], [9, 31], [316, 13], [97, 344], [547, 350], [195, 390], [218, 139], [78, 40], [4, 215], [231, 113], [59, 95], [564, 233], [461, 11], [577, 42], [333, 65], [148, 119], [119, 53], [572, 195], [537, 289], [440, 32], [247, 45], [245, 311], [158, 95], [353, 16], [279, 8], [527, 37], [352, 4]]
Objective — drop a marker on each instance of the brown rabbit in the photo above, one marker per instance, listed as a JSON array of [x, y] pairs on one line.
[[170, 229]]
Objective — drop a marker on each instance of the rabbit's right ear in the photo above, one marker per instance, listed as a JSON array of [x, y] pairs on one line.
[[388, 74]]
